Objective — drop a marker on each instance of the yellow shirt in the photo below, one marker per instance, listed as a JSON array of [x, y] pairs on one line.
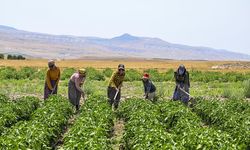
[[116, 79], [52, 74]]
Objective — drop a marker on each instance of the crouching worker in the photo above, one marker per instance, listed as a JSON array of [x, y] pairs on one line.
[[74, 87], [114, 87], [52, 79], [181, 91], [149, 87]]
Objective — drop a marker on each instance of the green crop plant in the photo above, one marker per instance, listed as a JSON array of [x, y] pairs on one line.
[[142, 128], [246, 87], [231, 116], [14, 111], [67, 73], [93, 126], [107, 72], [43, 128]]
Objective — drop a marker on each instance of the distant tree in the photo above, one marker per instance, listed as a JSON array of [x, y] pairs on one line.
[[9, 57], [20, 57], [15, 57], [1, 56]]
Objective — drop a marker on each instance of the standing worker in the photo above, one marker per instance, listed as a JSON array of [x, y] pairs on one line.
[[115, 84], [182, 84], [74, 87], [149, 87], [52, 79]]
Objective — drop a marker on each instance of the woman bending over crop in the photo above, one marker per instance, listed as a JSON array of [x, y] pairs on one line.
[[74, 87], [181, 91], [52, 79], [149, 87]]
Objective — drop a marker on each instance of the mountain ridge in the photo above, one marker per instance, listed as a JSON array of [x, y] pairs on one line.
[[43, 45]]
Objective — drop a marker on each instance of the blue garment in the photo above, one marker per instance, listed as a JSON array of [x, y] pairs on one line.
[[149, 87], [180, 95]]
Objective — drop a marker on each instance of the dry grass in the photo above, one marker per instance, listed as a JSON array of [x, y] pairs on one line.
[[162, 65]]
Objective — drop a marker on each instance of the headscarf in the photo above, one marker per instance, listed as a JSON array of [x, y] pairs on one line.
[[82, 71], [181, 70]]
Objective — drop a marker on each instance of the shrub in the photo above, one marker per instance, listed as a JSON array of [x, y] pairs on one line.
[[67, 72], [132, 75], [39, 74], [26, 72], [107, 72], [93, 74], [8, 73], [246, 87], [155, 75]]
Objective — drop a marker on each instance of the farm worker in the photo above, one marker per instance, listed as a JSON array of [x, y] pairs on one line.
[[114, 87], [74, 87], [182, 84], [52, 79], [149, 87]]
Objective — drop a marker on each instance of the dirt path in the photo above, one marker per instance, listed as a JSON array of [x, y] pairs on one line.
[[59, 142], [70, 123], [117, 135]]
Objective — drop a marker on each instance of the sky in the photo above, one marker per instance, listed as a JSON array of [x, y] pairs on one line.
[[220, 24]]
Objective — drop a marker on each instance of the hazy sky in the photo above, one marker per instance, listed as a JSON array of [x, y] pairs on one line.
[[222, 24]]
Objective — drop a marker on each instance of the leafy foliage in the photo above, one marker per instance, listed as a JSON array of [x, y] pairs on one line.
[[107, 72], [246, 86], [14, 111], [91, 130], [42, 129], [168, 125], [133, 75], [93, 74], [231, 116], [67, 72]]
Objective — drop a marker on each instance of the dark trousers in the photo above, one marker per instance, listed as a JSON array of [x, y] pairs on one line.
[[111, 96], [180, 95], [47, 91]]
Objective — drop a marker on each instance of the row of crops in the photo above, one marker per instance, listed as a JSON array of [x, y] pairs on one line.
[[131, 74], [92, 128], [232, 117], [165, 124], [171, 125], [41, 130], [13, 111]]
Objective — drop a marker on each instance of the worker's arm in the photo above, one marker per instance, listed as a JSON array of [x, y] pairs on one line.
[[77, 84], [176, 81], [48, 81], [59, 76], [112, 80], [119, 87]]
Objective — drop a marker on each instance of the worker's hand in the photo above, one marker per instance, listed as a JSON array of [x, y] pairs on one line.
[[54, 89], [178, 86]]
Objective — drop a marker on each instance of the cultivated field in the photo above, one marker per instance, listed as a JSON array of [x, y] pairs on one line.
[[132, 64], [216, 118]]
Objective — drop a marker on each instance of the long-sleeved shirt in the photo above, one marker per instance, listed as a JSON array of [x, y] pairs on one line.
[[149, 87], [116, 80], [182, 78], [52, 74], [78, 80]]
